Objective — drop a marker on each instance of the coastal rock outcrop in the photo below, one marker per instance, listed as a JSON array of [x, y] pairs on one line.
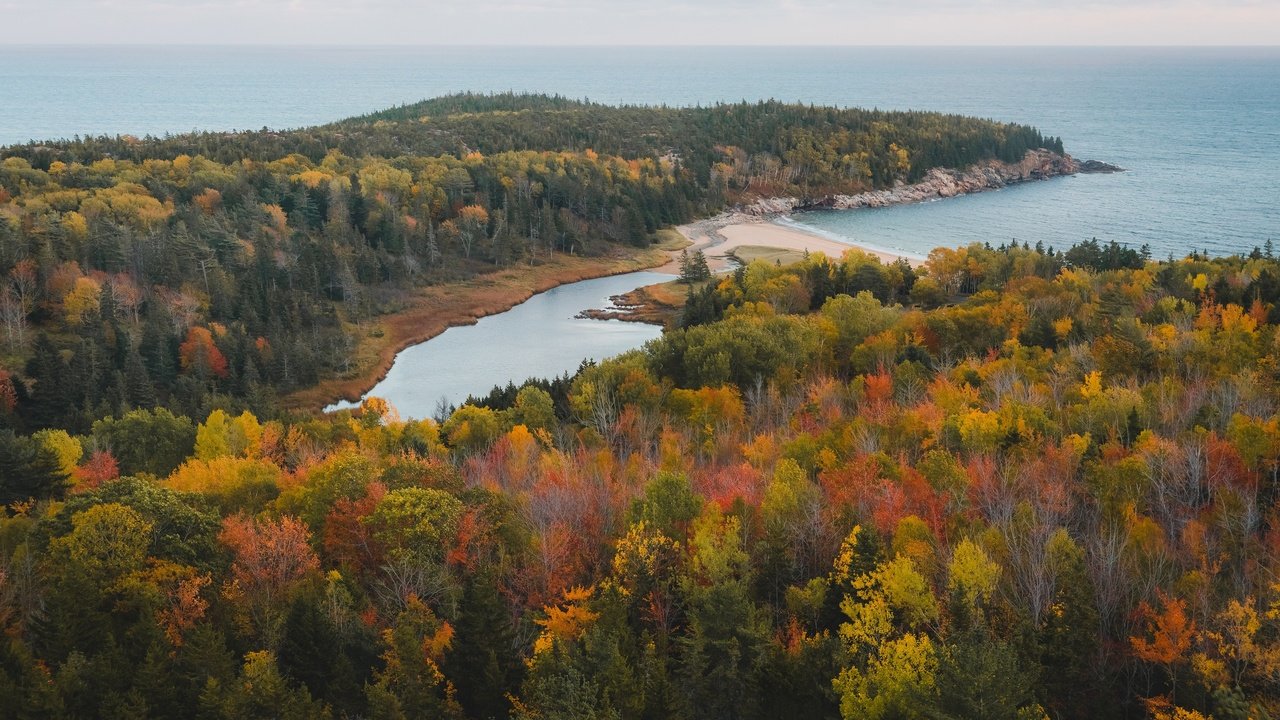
[[1097, 166], [939, 183]]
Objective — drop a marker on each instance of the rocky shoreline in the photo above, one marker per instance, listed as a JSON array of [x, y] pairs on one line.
[[937, 183], [640, 306]]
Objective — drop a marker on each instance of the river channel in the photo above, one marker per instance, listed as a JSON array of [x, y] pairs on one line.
[[541, 337]]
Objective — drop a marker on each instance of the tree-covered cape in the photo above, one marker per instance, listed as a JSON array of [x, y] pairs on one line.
[[193, 269]]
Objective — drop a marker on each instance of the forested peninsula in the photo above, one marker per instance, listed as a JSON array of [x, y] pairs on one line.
[[272, 257], [1011, 482]]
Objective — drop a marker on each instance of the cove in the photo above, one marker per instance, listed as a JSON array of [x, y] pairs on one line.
[[541, 337]]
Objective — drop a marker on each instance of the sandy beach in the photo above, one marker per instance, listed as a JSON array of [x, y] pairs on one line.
[[719, 236]]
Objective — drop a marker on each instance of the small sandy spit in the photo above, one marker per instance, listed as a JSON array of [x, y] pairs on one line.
[[719, 236]]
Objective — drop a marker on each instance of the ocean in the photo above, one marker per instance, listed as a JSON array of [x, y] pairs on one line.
[[1197, 129]]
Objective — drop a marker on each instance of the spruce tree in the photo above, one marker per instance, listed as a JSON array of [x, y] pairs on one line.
[[137, 382], [28, 470], [50, 400], [698, 266]]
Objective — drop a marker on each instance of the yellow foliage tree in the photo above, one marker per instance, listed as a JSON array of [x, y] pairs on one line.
[[75, 225], [82, 302], [567, 620], [106, 542], [221, 435], [67, 448], [973, 575]]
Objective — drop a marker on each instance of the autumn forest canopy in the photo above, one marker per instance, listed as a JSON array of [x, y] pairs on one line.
[[1013, 482], [224, 269]]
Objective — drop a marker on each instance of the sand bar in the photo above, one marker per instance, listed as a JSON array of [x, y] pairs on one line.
[[719, 236]]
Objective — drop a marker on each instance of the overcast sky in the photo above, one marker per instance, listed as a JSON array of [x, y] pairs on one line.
[[645, 22]]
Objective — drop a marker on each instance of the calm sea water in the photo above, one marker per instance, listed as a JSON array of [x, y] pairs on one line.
[[538, 338], [1198, 129]]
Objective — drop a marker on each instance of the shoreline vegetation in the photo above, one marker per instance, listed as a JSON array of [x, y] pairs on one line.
[[754, 223], [737, 236]]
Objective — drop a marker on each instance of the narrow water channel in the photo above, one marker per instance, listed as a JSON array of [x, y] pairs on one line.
[[540, 337]]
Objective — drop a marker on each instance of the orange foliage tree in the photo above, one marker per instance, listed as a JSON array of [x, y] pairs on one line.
[[270, 558], [199, 354], [1167, 636], [100, 468]]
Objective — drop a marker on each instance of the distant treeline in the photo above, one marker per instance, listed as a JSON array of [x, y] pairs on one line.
[[794, 146]]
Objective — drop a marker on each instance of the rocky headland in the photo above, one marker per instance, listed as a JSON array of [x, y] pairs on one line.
[[937, 183]]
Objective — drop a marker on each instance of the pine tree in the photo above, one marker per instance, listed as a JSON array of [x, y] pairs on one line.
[[693, 268], [311, 654], [980, 676], [1068, 634]]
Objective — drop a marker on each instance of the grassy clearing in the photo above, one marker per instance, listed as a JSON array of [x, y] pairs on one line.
[[674, 292], [749, 253], [671, 240]]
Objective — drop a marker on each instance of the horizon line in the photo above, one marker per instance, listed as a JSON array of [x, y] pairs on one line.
[[600, 46]]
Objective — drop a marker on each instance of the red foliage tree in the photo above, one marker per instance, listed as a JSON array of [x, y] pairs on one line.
[[725, 484], [348, 539], [1167, 637], [198, 352], [270, 558], [8, 393], [100, 468]]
